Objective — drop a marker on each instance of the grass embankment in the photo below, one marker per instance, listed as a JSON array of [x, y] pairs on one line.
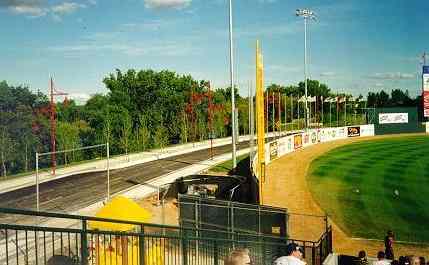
[[226, 166], [372, 186]]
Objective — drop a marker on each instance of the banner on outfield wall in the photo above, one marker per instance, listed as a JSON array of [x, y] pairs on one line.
[[273, 150], [294, 142], [297, 141], [313, 137], [353, 131], [426, 91], [367, 130], [426, 103], [389, 118]]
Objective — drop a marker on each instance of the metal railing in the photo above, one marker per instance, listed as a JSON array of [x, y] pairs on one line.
[[50, 241]]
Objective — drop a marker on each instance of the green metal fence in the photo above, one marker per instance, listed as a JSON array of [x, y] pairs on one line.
[[65, 238], [228, 216], [412, 125]]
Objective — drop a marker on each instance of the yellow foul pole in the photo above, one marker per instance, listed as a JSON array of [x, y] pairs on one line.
[[260, 127]]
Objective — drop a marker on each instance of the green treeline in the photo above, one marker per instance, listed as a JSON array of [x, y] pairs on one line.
[[142, 110]]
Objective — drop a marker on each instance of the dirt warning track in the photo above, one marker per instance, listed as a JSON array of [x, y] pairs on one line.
[[286, 186]]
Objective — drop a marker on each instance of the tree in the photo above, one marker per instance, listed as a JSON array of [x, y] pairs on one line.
[[382, 99], [107, 129], [143, 134], [6, 149], [372, 99], [126, 133], [68, 138], [160, 137], [184, 128], [400, 98]]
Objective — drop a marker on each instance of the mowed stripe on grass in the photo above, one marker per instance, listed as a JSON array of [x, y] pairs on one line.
[[372, 186]]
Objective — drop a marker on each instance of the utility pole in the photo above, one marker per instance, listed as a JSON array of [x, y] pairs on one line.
[[285, 100], [345, 111], [306, 14], [424, 56], [291, 110], [273, 114], [280, 112], [267, 97], [251, 125], [299, 122], [52, 118], [231, 62], [210, 118]]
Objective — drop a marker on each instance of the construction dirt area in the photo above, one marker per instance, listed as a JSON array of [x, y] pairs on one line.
[[286, 186]]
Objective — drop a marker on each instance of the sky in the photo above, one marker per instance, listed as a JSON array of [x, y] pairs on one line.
[[354, 46]]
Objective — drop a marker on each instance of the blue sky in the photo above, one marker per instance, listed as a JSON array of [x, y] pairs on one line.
[[354, 46]]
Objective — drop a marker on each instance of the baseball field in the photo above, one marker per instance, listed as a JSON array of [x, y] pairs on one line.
[[368, 187]]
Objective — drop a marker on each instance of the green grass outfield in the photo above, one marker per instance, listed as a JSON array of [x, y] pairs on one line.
[[355, 184]]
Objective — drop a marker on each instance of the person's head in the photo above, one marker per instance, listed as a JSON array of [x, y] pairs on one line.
[[362, 254], [390, 234], [404, 260], [380, 255], [239, 256], [415, 260], [422, 261], [294, 250]]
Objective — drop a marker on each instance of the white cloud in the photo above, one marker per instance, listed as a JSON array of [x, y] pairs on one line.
[[392, 76], [31, 8], [66, 8], [79, 98], [149, 25], [283, 69], [328, 74], [12, 3], [159, 4], [37, 8], [31, 11], [171, 49]]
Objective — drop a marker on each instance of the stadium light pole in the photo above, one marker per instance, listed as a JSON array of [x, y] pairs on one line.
[[37, 182], [231, 62], [306, 14]]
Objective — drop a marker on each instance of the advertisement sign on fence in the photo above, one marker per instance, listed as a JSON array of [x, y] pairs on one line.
[[426, 103], [367, 130], [306, 138], [353, 131], [426, 91], [387, 118], [426, 82], [273, 150], [313, 137], [297, 141]]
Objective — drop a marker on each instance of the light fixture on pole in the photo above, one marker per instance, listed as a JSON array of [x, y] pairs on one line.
[[306, 14], [231, 62]]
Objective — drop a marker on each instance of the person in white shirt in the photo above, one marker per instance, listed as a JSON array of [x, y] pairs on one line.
[[294, 256], [381, 259]]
